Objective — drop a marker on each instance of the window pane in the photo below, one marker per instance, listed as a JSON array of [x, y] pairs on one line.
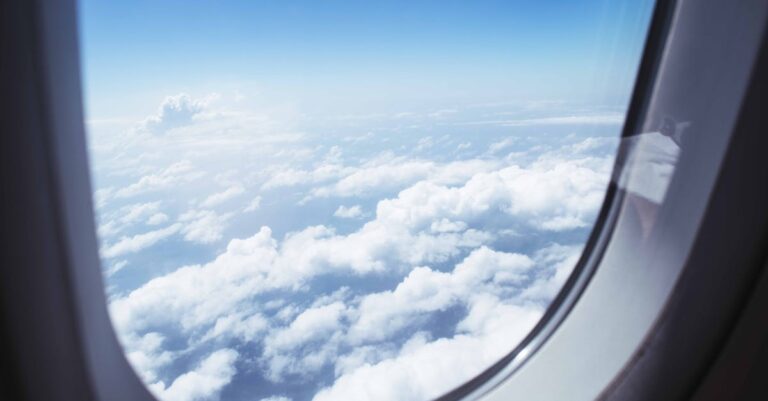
[[306, 200]]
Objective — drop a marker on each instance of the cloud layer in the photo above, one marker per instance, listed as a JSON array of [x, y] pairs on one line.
[[377, 270]]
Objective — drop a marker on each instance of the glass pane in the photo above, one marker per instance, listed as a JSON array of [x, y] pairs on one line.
[[304, 200]]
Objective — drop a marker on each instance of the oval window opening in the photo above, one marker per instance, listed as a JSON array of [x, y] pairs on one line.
[[344, 200]]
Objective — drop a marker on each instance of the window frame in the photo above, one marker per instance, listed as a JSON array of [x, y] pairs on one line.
[[59, 342]]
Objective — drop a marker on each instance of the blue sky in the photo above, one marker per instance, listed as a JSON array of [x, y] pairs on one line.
[[330, 200], [386, 53]]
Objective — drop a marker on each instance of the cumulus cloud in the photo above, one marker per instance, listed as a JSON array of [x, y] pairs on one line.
[[577, 119], [463, 146], [291, 177], [138, 242], [178, 172], [314, 327], [552, 195], [116, 267], [175, 111], [388, 173], [203, 383], [435, 238], [424, 368], [348, 212], [157, 219], [500, 145], [139, 211], [254, 205], [425, 290], [485, 284], [223, 196], [129, 215], [203, 226]]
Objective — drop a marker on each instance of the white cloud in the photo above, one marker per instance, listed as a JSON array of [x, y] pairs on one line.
[[485, 283], [178, 172], [425, 290], [314, 327], [221, 197], [203, 383], [500, 145], [175, 111], [387, 176], [590, 119], [308, 325], [138, 242], [157, 219], [426, 369], [245, 325], [290, 177], [128, 216], [101, 196], [116, 267], [146, 354], [388, 173], [424, 143], [350, 212], [254, 205], [448, 217], [203, 226], [138, 211], [550, 194], [558, 260], [202, 293]]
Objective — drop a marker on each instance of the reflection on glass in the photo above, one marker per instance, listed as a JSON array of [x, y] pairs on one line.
[[326, 200], [647, 172]]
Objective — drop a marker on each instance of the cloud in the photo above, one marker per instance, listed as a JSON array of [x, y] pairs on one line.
[[138, 242], [116, 267], [548, 195], [202, 293], [146, 354], [221, 197], [463, 146], [254, 205], [425, 290], [157, 219], [425, 368], [292, 177], [313, 327], [175, 111], [203, 383], [388, 173], [350, 212], [178, 172], [435, 238], [500, 145], [203, 226], [130, 215], [590, 119], [206, 296], [385, 176], [352, 333], [136, 212]]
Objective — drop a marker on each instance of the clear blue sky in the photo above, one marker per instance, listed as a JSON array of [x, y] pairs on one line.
[[342, 52]]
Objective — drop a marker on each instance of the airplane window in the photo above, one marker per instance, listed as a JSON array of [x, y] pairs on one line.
[[335, 200]]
